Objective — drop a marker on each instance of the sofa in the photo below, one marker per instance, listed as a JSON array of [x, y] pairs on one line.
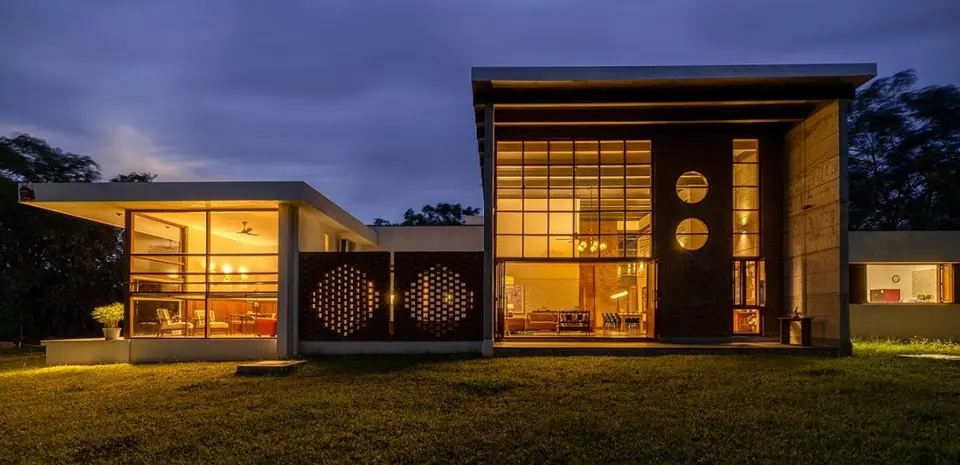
[[542, 321]]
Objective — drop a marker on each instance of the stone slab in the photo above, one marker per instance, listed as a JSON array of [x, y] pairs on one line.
[[955, 358], [269, 367]]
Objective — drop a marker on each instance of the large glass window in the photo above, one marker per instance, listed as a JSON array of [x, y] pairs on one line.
[[909, 283], [746, 198], [204, 274], [577, 298], [564, 199]]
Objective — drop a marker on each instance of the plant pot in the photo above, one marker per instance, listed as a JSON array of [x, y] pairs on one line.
[[111, 334]]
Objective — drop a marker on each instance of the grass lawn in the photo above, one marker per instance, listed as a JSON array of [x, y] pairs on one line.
[[871, 408]]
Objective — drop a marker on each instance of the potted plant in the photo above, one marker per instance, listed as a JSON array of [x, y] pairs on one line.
[[109, 316]]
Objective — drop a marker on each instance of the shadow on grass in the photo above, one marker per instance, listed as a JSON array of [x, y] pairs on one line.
[[360, 365]]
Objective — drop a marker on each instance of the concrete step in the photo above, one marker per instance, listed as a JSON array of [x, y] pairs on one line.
[[268, 367]]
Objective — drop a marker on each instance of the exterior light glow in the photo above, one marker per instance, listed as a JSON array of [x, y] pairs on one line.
[[227, 269]]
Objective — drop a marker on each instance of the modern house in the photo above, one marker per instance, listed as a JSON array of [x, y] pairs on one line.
[[701, 204], [689, 203]]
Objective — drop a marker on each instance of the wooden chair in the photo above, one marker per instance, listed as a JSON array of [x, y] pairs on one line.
[[169, 325], [199, 319]]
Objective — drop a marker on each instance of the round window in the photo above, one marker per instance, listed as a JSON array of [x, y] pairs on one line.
[[692, 187], [692, 234]]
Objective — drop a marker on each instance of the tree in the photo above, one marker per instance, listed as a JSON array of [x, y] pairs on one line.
[[134, 177], [904, 156], [441, 214], [53, 268]]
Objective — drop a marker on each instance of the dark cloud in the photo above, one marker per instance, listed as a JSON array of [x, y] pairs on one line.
[[369, 101]]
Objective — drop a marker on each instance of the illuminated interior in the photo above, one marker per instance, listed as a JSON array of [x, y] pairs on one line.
[[746, 198], [749, 295], [749, 276], [692, 234], [692, 187], [203, 274], [910, 283], [574, 232]]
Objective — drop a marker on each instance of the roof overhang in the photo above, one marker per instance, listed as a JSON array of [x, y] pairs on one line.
[[658, 95], [106, 202]]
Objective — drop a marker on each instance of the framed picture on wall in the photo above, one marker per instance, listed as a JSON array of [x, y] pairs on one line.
[[515, 299]]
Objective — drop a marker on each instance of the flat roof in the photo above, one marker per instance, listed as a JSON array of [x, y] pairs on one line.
[[101, 201], [855, 74]]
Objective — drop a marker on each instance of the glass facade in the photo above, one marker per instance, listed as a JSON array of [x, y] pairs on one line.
[[746, 198], [749, 276], [578, 215], [203, 273], [565, 199]]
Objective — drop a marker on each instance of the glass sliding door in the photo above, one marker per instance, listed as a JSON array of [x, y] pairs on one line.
[[577, 298]]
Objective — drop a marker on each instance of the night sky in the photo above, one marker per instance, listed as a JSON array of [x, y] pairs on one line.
[[369, 101]]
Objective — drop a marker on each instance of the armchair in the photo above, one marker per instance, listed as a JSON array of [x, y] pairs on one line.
[[199, 318], [169, 325]]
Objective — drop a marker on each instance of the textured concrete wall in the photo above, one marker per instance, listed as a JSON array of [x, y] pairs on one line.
[[905, 321], [904, 246], [816, 223]]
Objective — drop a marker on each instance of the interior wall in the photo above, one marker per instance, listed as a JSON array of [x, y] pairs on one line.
[[552, 286], [914, 279], [816, 224]]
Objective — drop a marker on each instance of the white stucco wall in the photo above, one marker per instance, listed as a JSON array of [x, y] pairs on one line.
[[202, 350], [430, 238], [86, 351], [905, 321]]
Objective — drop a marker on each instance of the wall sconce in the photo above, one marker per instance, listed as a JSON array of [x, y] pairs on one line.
[[508, 280], [243, 273], [227, 269]]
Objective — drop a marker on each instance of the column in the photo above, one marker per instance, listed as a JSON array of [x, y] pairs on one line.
[[287, 311]]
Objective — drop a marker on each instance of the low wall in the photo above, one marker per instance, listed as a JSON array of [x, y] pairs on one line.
[[86, 351], [202, 350], [905, 321], [384, 347]]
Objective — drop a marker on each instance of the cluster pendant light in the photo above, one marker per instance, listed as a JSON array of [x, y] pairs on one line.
[[594, 246]]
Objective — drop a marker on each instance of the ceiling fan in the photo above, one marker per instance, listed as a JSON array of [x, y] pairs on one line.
[[246, 230]]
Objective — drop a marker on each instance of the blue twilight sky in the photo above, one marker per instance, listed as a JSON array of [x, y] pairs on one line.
[[369, 100]]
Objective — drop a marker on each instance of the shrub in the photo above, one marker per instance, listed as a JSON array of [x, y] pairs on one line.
[[109, 315]]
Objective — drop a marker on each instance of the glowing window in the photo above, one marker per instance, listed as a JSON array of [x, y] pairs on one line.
[[692, 234], [692, 187]]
